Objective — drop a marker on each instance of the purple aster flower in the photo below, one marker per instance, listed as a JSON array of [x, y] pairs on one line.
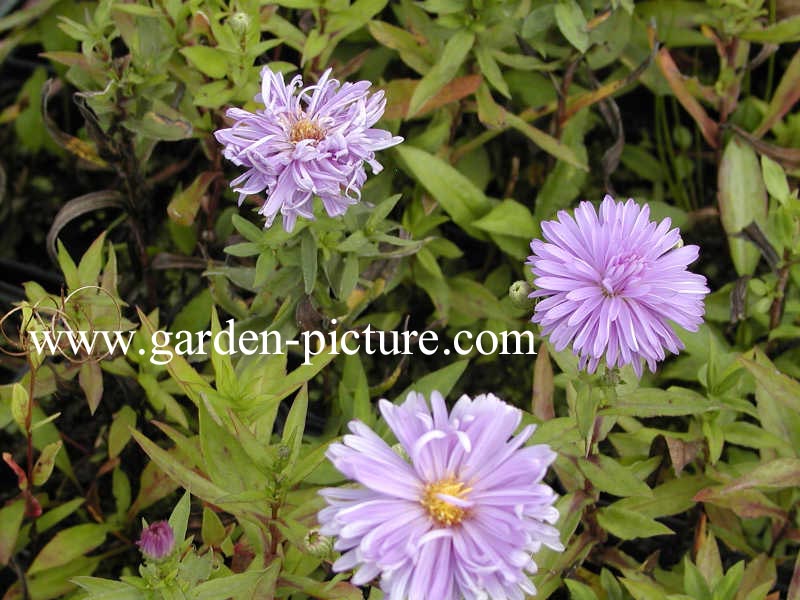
[[612, 281], [306, 143], [455, 514], [157, 540]]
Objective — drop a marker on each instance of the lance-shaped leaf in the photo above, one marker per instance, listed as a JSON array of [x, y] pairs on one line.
[[742, 200], [184, 205], [453, 55], [69, 544], [546, 142], [459, 197], [780, 473], [785, 97], [628, 525], [10, 521]]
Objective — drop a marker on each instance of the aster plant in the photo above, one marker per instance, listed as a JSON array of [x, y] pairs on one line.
[[611, 282], [307, 141], [456, 514]]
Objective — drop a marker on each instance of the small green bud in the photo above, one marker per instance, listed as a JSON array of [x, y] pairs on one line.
[[519, 292], [317, 544], [239, 23]]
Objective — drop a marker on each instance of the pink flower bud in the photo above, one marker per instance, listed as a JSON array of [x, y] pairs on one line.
[[157, 540]]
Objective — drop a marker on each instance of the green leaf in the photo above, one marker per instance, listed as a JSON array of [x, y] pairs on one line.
[[414, 54], [546, 142], [195, 314], [474, 300], [179, 519], [783, 389], [610, 585], [306, 464], [90, 378], [323, 590], [775, 474], [785, 30], [68, 268], [92, 262], [572, 24], [69, 544], [224, 344], [579, 591], [727, 588], [106, 589], [670, 498], [786, 94], [538, 21], [209, 61], [693, 581], [121, 489], [119, 433], [212, 530], [56, 582], [25, 14], [20, 404], [354, 390], [794, 586], [509, 217], [161, 123], [775, 179], [752, 436], [56, 515], [490, 113], [443, 71], [45, 463], [180, 474], [183, 207], [10, 521], [459, 197], [742, 200], [609, 476], [441, 381], [290, 383], [227, 463], [314, 46], [628, 525], [565, 182], [491, 71], [652, 402], [643, 588], [295, 425], [213, 94], [308, 260]]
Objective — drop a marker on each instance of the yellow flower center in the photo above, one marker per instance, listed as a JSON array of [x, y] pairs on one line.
[[442, 511], [306, 129]]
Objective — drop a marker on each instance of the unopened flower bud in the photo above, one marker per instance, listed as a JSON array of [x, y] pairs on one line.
[[519, 292], [317, 544], [157, 540], [239, 22]]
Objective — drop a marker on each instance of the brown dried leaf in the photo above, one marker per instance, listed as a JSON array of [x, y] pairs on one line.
[[399, 92], [708, 127]]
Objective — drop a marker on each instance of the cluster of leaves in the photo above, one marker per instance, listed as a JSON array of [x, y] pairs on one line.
[[685, 484]]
